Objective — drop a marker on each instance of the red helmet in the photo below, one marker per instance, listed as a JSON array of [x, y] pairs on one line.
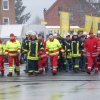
[[90, 33], [11, 35], [0, 41]]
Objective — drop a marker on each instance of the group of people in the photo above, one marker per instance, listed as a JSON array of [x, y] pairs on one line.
[[12, 50], [76, 52], [79, 51]]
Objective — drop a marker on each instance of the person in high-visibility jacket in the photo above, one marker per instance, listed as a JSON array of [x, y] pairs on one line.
[[90, 51], [75, 48], [61, 59], [34, 47], [13, 49], [1, 58], [25, 46], [68, 53], [82, 58], [53, 47]]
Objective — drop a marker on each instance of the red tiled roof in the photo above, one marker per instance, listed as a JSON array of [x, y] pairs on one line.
[[73, 6]]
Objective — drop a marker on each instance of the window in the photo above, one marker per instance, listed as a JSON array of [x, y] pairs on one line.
[[5, 4], [5, 20], [93, 1]]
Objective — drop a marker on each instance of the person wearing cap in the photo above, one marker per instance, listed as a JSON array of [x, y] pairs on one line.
[[90, 51], [53, 47], [68, 54], [34, 47], [75, 48], [2, 58], [13, 49]]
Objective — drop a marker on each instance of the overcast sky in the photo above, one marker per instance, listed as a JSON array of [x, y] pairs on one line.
[[35, 7]]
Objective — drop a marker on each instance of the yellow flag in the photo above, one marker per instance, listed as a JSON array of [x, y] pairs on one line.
[[88, 23], [43, 22], [64, 23], [96, 21]]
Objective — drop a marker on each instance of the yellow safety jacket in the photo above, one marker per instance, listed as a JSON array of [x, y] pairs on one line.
[[12, 48], [1, 49], [53, 47]]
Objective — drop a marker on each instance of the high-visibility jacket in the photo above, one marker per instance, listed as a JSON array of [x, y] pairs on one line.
[[82, 47], [53, 47], [34, 47], [2, 49], [90, 47], [13, 48], [75, 47], [25, 45], [68, 53]]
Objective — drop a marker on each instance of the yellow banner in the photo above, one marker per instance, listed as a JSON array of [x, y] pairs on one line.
[[43, 22], [96, 21], [64, 23], [88, 23]]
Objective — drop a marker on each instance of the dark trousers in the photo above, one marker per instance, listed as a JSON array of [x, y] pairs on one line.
[[32, 65], [69, 64], [76, 62], [82, 62]]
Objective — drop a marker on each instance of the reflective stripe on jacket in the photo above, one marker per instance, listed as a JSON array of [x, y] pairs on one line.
[[53, 47], [12, 48]]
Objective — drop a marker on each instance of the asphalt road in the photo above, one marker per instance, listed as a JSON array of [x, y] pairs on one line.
[[64, 86]]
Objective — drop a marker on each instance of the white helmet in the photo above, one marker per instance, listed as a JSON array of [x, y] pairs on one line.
[[75, 33], [98, 32], [29, 32], [85, 33], [55, 34], [88, 36], [26, 33], [33, 33], [68, 34]]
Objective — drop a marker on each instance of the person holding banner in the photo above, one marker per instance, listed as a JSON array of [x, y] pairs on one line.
[[90, 51]]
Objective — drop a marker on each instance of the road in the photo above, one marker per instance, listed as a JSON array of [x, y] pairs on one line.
[[64, 86]]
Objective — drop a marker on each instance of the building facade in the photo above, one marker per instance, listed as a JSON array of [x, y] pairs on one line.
[[77, 9], [7, 12]]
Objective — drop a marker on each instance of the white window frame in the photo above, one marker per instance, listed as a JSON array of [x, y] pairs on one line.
[[4, 19], [3, 4]]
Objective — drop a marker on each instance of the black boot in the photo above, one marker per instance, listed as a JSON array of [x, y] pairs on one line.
[[9, 74], [2, 74], [15, 70], [54, 73], [88, 72], [18, 73], [76, 70], [30, 73]]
